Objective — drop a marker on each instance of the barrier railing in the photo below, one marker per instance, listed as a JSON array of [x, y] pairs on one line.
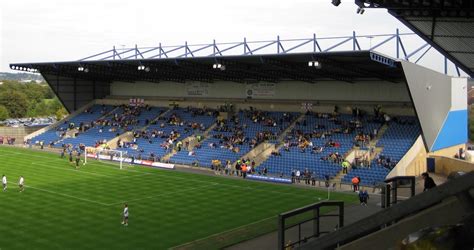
[[315, 218], [390, 189], [458, 188], [406, 46]]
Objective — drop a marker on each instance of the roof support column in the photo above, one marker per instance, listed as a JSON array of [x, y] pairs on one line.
[[398, 43], [445, 65]]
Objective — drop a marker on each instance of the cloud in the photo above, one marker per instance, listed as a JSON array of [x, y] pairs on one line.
[[59, 30]]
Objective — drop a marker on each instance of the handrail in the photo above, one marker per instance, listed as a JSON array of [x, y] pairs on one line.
[[396, 178], [397, 212], [278, 46], [391, 189]]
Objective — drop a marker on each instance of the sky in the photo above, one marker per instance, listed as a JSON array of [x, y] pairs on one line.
[[65, 30]]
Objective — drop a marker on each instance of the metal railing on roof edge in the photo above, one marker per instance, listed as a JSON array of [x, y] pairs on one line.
[[400, 48]]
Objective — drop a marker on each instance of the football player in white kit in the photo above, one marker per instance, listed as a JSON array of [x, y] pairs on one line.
[[4, 183], [125, 215], [21, 183]]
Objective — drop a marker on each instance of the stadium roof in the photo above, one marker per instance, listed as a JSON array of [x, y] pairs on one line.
[[350, 66], [448, 25]]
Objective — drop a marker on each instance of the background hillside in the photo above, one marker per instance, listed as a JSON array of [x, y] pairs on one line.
[[27, 95]]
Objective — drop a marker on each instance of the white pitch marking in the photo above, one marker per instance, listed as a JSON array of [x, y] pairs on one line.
[[66, 195], [159, 195], [179, 178]]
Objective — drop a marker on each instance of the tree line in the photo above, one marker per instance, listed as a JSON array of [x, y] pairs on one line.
[[18, 100]]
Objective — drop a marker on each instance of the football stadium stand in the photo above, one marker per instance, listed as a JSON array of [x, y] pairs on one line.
[[317, 143], [56, 135], [395, 143], [236, 136], [311, 111], [315, 111], [177, 124]]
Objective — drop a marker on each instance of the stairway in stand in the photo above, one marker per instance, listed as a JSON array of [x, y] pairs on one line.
[[192, 142], [380, 133], [265, 152], [285, 132], [337, 179], [128, 136], [156, 119]]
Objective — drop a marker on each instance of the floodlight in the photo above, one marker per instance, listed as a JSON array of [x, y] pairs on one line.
[[359, 3], [315, 64], [218, 66]]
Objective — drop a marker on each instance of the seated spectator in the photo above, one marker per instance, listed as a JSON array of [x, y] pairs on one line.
[[276, 153]]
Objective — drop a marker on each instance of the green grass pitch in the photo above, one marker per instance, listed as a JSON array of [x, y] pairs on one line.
[[65, 208]]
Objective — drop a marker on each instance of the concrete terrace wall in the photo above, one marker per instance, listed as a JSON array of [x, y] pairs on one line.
[[413, 162], [445, 165], [268, 105], [18, 133], [289, 90], [283, 96]]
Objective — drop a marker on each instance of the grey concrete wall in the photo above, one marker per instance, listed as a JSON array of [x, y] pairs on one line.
[[288, 90], [268, 105], [446, 165], [18, 133]]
